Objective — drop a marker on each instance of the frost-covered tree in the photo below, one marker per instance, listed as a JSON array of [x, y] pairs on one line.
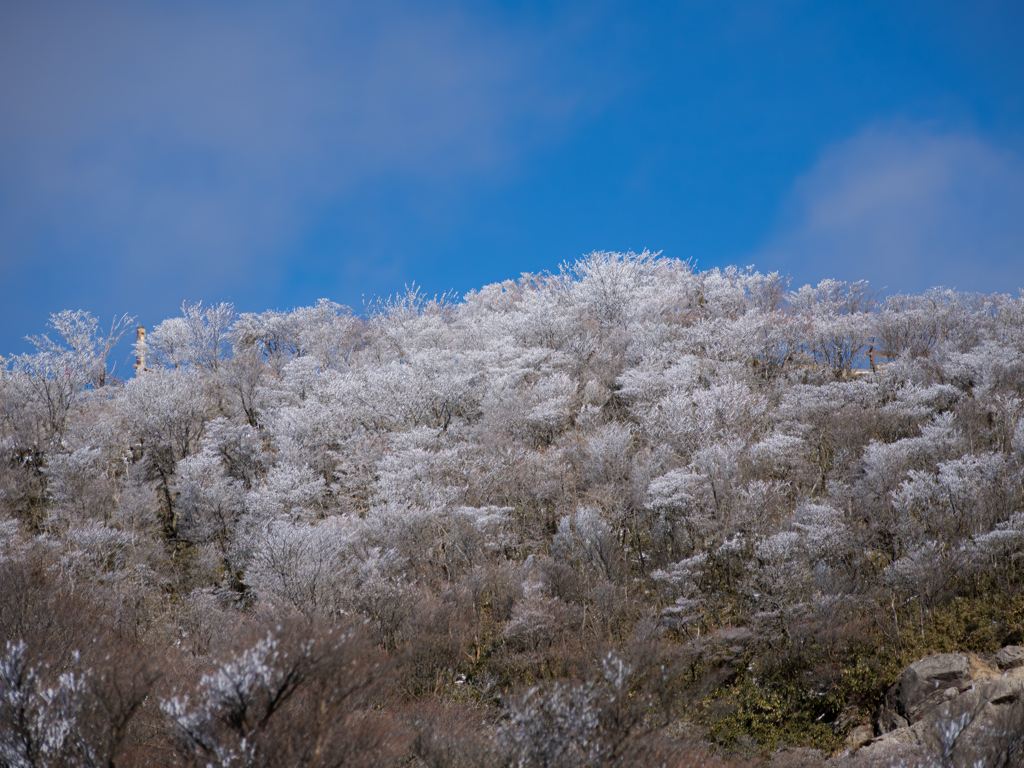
[[837, 321], [199, 338], [48, 383]]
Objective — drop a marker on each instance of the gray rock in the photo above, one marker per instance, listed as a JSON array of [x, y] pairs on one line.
[[1000, 692], [924, 682], [881, 753], [888, 719], [860, 736], [1010, 657], [797, 757], [950, 704]]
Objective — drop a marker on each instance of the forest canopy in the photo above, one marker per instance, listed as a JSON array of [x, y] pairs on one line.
[[625, 498]]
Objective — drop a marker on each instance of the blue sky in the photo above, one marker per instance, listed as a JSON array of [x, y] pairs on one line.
[[273, 154]]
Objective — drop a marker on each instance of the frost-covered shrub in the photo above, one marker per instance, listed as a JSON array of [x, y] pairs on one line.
[[38, 723], [567, 724], [289, 492], [585, 541], [95, 550], [926, 572], [302, 564], [288, 696], [78, 485], [965, 496], [75, 716], [166, 412], [209, 503], [536, 621]]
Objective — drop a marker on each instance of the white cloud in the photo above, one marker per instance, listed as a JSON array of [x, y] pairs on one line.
[[907, 207]]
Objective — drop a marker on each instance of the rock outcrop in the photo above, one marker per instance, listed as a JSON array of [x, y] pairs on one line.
[[949, 709], [924, 684], [1010, 657]]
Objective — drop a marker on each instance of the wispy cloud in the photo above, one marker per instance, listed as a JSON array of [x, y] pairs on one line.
[[204, 137], [907, 206]]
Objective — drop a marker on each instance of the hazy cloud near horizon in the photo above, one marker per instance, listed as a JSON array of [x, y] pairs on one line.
[[906, 206]]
